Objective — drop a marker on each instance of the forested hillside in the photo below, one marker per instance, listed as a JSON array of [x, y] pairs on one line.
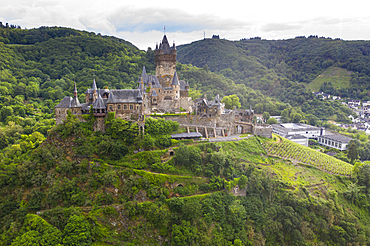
[[68, 185], [282, 68], [81, 187]]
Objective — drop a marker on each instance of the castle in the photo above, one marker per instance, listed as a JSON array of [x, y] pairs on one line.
[[163, 92]]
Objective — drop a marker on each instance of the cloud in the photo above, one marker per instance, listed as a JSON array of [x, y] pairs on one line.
[[97, 22], [134, 19], [278, 27]]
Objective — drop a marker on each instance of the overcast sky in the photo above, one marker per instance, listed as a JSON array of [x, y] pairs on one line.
[[142, 22]]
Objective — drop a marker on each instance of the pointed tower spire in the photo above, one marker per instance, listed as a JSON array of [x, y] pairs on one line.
[[175, 80], [75, 90], [94, 87], [111, 98], [143, 74]]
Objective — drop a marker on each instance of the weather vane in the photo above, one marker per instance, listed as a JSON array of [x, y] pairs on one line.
[[164, 30]]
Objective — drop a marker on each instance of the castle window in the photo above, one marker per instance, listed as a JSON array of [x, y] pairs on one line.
[[159, 90], [119, 106], [125, 106], [131, 106], [154, 100], [137, 107], [110, 107]]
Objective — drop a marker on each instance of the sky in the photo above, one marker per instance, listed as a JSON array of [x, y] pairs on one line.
[[142, 22]]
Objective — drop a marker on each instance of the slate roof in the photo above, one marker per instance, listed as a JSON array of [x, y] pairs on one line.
[[175, 80], [337, 137], [75, 103], [182, 85], [154, 93], [85, 106], [99, 103], [154, 82], [165, 46], [297, 136], [94, 87], [65, 103], [126, 96], [111, 98]]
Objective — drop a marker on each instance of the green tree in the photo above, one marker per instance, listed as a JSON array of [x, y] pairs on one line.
[[271, 121], [36, 231], [5, 112], [77, 231], [231, 101], [352, 152], [353, 191], [184, 234], [296, 117], [3, 140], [266, 116], [243, 180]]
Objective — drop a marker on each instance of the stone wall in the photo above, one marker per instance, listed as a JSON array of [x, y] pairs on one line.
[[186, 103], [263, 130], [167, 106], [224, 124], [99, 124]]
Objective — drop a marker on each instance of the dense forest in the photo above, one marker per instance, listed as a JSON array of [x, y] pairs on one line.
[[69, 185], [282, 68]]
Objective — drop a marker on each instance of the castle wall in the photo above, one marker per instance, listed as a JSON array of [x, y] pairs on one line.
[[99, 124], [168, 106], [263, 130], [186, 103], [60, 115]]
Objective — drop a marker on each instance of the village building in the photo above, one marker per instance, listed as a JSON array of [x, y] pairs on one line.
[[289, 129], [336, 141]]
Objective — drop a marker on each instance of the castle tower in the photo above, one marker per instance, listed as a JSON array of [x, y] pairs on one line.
[[95, 88], [176, 85], [165, 62], [75, 103]]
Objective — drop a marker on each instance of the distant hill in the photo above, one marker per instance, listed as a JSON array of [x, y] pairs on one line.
[[275, 66]]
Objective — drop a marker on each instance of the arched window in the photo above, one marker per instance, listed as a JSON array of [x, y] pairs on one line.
[[167, 98]]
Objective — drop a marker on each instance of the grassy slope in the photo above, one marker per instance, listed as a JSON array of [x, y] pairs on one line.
[[339, 78], [300, 154]]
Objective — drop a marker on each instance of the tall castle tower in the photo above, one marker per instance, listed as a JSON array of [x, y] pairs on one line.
[[165, 62]]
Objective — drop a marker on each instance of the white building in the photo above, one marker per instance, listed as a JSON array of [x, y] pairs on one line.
[[299, 139], [334, 141], [289, 129]]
